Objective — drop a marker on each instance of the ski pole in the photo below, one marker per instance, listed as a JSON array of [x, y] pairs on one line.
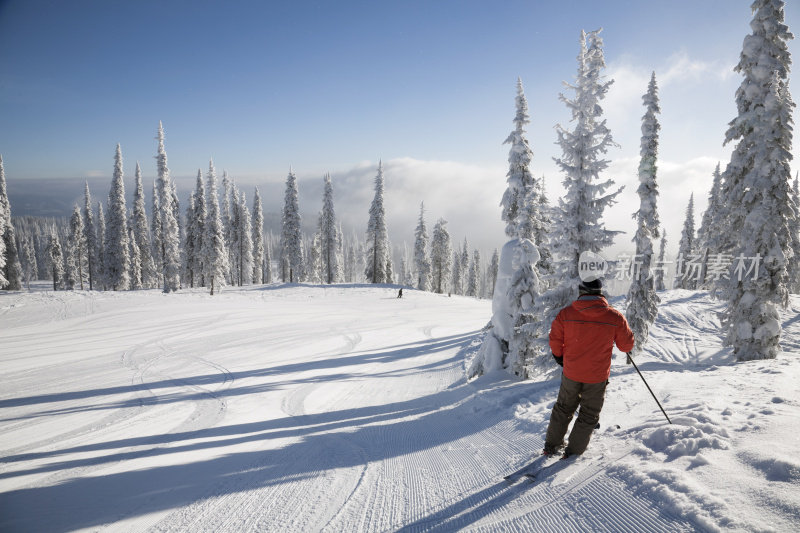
[[648, 386]]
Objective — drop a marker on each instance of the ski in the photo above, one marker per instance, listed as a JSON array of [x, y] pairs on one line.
[[562, 463], [533, 466]]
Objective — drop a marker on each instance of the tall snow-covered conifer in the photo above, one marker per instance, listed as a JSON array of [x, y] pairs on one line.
[[215, 251], [688, 263], [117, 247], [141, 233], [473, 280], [100, 257], [90, 234], [578, 225], [422, 262], [441, 257], [199, 221], [77, 238], [330, 239], [12, 269], [291, 237], [191, 255], [642, 298], [136, 260], [157, 242], [706, 234], [244, 242], [581, 210], [3, 279], [377, 235], [170, 232], [519, 178], [660, 271], [758, 186], [267, 269], [494, 266], [258, 239], [794, 229], [56, 257]]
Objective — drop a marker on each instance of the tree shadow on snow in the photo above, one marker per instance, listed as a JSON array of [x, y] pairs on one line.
[[333, 440]]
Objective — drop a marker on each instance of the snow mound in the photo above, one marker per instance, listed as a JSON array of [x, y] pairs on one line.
[[690, 433], [776, 467]]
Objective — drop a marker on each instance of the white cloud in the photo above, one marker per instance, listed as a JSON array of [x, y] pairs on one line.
[[467, 196]]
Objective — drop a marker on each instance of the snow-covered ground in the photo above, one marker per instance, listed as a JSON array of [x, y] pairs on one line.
[[307, 408]]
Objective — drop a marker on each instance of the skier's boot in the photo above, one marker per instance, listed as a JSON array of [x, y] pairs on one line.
[[568, 453], [549, 449]]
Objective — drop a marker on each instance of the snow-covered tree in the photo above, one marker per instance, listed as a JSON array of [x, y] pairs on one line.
[[542, 227], [464, 267], [758, 187], [493, 267], [31, 267], [389, 263], [191, 255], [511, 343], [377, 235], [170, 232], [520, 181], [794, 229], [441, 257], [136, 260], [291, 237], [259, 257], [10, 266], [100, 240], [267, 277], [687, 264], [456, 273], [141, 233], [215, 251], [157, 242], [578, 225], [244, 242], [116, 244], [90, 234], [706, 233], [226, 212], [422, 262], [314, 265], [642, 298], [77, 246], [330, 239], [195, 233], [3, 279], [660, 271], [473, 280], [56, 257]]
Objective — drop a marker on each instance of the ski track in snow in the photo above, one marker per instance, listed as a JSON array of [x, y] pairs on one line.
[[308, 408]]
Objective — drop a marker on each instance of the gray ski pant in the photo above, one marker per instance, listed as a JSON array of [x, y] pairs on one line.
[[590, 398]]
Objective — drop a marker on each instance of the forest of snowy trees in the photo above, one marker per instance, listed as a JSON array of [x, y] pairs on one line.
[[744, 251], [219, 239]]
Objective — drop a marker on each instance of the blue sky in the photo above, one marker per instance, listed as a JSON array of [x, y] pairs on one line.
[[333, 86]]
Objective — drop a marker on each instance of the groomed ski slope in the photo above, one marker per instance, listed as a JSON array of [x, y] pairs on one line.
[[308, 408]]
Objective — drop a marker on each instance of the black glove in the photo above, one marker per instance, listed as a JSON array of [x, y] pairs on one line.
[[559, 360]]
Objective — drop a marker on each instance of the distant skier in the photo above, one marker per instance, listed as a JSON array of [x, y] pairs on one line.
[[581, 339], [400, 293]]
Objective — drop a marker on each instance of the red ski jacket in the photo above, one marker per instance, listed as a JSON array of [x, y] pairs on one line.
[[584, 334]]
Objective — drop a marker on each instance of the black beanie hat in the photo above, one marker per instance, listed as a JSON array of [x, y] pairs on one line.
[[591, 287]]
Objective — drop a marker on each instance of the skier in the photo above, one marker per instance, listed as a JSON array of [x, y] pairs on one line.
[[400, 293], [581, 339]]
